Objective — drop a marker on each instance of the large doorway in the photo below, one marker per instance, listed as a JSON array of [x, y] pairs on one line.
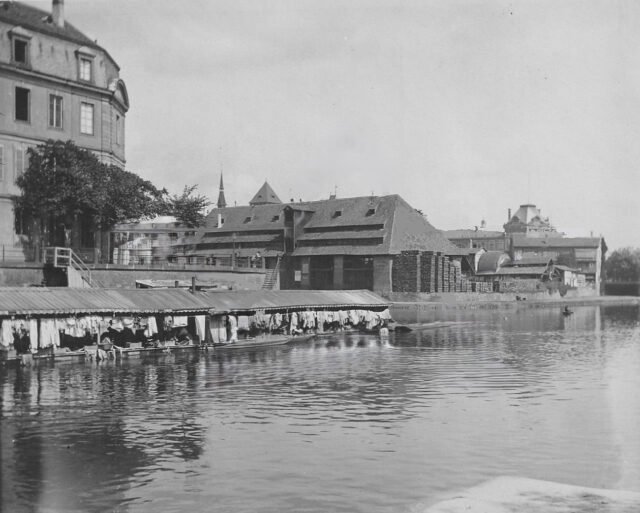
[[358, 273], [321, 272]]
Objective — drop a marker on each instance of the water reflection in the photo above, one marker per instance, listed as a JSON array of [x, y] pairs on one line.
[[344, 423]]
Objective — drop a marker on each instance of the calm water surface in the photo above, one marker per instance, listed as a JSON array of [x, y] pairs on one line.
[[349, 423]]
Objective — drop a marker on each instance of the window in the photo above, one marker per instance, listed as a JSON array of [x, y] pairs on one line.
[[20, 162], [337, 213], [117, 129], [247, 219], [370, 212], [275, 218], [86, 118], [1, 163], [55, 111], [20, 51], [22, 104], [85, 70]]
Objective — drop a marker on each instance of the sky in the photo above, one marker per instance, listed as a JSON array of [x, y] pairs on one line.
[[465, 108]]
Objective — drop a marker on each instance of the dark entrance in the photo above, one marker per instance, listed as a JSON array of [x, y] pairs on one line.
[[358, 272], [321, 272]]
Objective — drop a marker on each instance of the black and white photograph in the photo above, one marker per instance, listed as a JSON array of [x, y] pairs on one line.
[[320, 256]]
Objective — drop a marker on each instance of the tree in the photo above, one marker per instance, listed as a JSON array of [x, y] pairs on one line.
[[65, 185], [623, 265], [187, 207]]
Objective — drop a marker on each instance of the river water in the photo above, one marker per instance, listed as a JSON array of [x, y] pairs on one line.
[[349, 423]]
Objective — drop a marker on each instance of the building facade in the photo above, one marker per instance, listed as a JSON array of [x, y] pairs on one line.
[[337, 243], [56, 83], [489, 240], [528, 222], [585, 255]]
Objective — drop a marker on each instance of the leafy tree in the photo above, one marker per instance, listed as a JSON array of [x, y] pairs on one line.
[[188, 208], [64, 183], [623, 265]]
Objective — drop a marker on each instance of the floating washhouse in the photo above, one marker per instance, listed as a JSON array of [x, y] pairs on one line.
[[58, 322]]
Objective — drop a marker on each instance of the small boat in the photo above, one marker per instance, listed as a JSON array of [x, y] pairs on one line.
[[264, 341]]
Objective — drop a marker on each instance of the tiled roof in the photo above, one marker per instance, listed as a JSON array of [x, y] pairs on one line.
[[234, 218], [338, 219], [340, 235], [557, 242], [472, 234], [40, 21], [265, 195], [345, 249]]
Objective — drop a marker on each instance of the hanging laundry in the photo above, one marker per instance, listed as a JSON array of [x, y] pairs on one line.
[[49, 333], [33, 334], [180, 321], [152, 327], [233, 328], [6, 334], [243, 322], [201, 326]]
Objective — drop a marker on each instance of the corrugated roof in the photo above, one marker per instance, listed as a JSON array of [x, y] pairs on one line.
[[251, 300], [491, 261], [69, 301]]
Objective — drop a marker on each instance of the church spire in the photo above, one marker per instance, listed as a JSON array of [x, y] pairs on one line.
[[221, 201]]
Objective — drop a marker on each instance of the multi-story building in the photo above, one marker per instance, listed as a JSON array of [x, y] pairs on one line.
[[528, 222], [337, 243], [56, 83]]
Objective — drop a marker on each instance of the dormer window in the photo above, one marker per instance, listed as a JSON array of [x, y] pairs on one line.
[[20, 51], [85, 58], [370, 212], [248, 219], [275, 218], [85, 69], [337, 213]]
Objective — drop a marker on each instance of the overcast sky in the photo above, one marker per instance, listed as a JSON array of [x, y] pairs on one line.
[[465, 108]]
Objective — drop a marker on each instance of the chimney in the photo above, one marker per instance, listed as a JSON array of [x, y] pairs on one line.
[[57, 13], [508, 215]]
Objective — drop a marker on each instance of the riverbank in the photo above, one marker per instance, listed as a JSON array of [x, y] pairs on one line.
[[443, 308]]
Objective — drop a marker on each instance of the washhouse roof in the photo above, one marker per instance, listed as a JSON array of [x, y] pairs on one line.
[[252, 300], [70, 301]]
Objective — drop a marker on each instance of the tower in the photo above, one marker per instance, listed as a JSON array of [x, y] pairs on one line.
[[221, 201]]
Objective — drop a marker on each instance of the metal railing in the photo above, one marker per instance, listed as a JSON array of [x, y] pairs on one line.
[[65, 257]]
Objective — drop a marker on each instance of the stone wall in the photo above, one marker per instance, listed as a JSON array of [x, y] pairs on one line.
[[24, 275]]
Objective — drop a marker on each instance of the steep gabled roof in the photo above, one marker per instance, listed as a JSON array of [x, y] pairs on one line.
[[389, 218], [265, 196]]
